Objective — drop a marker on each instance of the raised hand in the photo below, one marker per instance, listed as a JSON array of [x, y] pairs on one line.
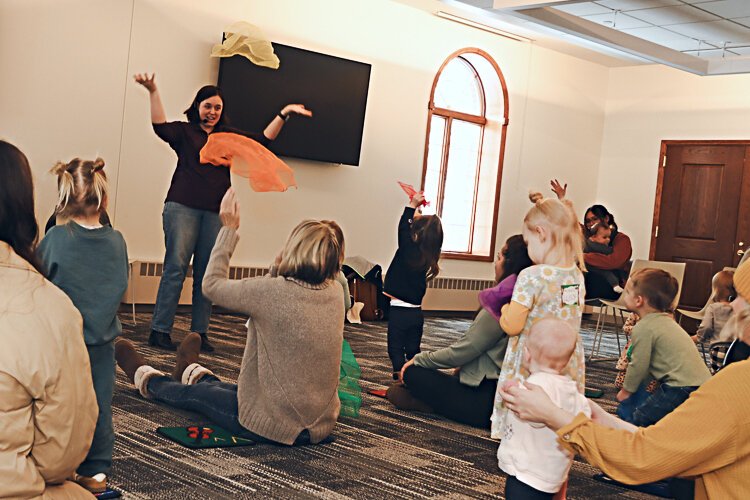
[[297, 109], [146, 81], [558, 189], [416, 200], [229, 210]]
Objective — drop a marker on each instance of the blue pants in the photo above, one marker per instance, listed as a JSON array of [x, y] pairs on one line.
[[188, 232], [212, 398], [405, 325], [647, 409], [99, 458]]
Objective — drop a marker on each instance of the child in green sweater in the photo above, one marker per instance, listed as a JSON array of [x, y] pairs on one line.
[[660, 350], [89, 262]]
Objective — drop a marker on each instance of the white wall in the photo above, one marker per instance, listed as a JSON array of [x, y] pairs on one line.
[[67, 90], [648, 104], [63, 84]]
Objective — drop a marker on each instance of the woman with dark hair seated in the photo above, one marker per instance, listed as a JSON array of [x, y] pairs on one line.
[[607, 251], [467, 396], [48, 408]]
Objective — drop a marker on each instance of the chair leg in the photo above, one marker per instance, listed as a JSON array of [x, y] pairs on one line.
[[704, 353], [618, 329], [132, 294], [598, 332]]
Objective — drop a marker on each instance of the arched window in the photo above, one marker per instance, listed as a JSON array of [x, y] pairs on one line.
[[467, 120]]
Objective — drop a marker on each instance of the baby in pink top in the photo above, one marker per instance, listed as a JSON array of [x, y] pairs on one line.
[[529, 453]]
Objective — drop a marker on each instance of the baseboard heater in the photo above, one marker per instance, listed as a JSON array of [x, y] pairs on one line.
[[443, 294]]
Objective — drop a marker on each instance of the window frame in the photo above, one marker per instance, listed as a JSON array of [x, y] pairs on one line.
[[449, 116]]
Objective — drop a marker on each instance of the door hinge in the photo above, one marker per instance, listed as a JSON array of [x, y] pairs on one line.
[[664, 161], [656, 232]]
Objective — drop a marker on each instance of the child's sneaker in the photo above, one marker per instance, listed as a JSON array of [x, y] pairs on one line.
[[95, 484]]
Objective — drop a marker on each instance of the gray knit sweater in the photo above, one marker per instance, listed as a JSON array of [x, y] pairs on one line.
[[289, 375]]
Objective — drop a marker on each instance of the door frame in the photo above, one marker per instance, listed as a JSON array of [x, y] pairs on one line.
[[660, 177]]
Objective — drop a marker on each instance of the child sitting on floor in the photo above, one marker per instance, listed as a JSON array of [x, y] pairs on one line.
[[528, 453], [660, 349], [89, 262], [719, 310]]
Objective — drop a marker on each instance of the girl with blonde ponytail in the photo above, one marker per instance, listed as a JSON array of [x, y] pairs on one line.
[[553, 287], [89, 262], [92, 174]]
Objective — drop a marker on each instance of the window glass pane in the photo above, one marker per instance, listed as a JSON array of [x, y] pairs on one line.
[[458, 88], [460, 183], [434, 159]]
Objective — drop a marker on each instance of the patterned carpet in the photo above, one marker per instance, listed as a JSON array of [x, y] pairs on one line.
[[385, 453]]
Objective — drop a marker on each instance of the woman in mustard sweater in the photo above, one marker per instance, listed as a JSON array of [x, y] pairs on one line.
[[680, 444]]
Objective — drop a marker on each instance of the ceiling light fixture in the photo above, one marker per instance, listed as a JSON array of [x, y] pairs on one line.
[[483, 27]]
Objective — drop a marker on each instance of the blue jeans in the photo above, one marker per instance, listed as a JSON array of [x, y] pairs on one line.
[[99, 457], [215, 400], [647, 409], [188, 232], [212, 398]]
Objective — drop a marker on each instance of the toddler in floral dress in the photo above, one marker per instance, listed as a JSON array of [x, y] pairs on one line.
[[552, 288]]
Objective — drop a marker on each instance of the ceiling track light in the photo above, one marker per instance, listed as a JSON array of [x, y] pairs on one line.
[[483, 27]]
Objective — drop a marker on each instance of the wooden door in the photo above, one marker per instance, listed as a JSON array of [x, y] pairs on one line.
[[701, 215]]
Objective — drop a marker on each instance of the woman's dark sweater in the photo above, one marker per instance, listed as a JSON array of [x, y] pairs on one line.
[[195, 184]]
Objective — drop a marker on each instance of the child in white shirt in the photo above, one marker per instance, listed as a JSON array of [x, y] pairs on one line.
[[528, 453]]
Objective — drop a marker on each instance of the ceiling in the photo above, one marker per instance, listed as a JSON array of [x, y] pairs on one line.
[[705, 37]]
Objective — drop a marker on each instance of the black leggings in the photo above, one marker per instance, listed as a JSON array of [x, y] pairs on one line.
[[405, 325], [450, 398], [516, 490], [598, 288]]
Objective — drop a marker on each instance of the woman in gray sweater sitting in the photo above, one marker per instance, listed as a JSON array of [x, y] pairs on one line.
[[287, 388]]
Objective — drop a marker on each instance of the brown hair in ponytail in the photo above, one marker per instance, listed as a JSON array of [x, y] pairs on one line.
[[82, 187]]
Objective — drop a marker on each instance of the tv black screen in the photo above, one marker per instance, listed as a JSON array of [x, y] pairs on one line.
[[334, 89]]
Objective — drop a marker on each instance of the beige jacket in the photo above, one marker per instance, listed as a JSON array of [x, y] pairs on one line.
[[48, 408]]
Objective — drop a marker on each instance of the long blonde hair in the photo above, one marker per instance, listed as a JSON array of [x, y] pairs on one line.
[[559, 219], [312, 253], [339, 237], [82, 187]]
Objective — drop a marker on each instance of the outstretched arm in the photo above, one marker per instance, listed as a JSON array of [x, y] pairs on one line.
[[157, 108], [678, 445], [274, 127], [236, 295]]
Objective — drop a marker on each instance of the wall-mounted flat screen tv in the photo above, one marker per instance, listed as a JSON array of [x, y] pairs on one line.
[[334, 89]]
